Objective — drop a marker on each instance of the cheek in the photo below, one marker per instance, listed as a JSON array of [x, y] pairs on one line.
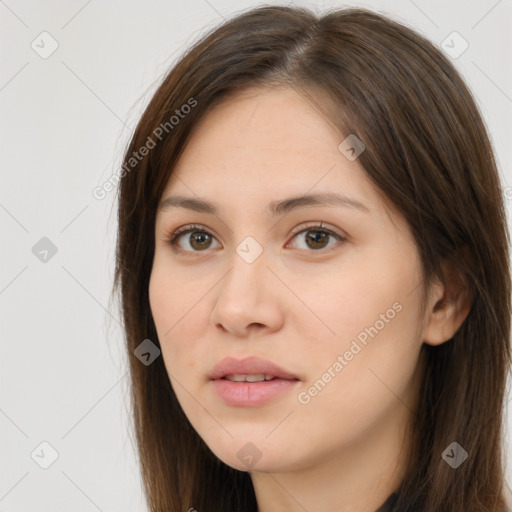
[[375, 316], [176, 308], [362, 303], [349, 295], [161, 301], [364, 376], [171, 298]]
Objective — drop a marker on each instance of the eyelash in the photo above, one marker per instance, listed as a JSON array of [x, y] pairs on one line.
[[172, 239]]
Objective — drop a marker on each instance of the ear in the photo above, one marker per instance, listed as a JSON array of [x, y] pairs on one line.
[[448, 306]]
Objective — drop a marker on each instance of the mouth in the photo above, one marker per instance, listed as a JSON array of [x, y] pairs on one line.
[[249, 369], [260, 377], [251, 381]]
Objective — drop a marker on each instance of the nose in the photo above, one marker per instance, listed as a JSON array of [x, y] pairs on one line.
[[247, 298]]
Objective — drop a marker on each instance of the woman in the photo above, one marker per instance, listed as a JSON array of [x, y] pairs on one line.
[[312, 232]]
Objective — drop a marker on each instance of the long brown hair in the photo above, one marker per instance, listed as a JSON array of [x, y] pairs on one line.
[[427, 151]]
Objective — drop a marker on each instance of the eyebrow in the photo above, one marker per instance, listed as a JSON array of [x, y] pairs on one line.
[[274, 208]]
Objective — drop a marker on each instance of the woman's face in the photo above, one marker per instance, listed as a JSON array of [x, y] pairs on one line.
[[336, 306]]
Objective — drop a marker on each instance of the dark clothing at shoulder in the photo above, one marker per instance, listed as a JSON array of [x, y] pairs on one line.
[[388, 504]]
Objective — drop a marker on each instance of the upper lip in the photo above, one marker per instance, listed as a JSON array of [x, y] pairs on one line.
[[249, 366]]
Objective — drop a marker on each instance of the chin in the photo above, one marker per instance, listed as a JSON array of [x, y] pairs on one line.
[[255, 453]]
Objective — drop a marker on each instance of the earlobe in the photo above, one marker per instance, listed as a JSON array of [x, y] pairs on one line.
[[449, 307]]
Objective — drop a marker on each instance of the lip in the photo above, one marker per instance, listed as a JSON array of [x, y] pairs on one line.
[[248, 366], [251, 394]]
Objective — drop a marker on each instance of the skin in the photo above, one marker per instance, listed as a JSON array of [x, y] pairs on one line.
[[299, 305]]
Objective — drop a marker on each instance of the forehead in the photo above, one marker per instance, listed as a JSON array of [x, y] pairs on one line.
[[265, 144], [265, 124]]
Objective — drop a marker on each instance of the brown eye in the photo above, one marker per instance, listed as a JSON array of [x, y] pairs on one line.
[[317, 238], [197, 239], [200, 240]]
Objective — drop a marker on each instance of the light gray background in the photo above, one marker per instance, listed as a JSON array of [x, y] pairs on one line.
[[65, 120]]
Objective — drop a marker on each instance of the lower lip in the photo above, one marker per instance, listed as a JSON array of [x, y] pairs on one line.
[[251, 394]]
